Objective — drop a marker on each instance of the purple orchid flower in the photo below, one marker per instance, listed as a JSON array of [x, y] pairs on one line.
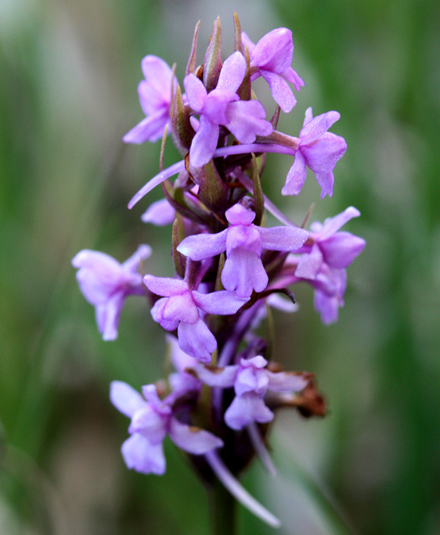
[[323, 262], [243, 242], [181, 308], [222, 106], [337, 249], [106, 283], [271, 58], [319, 150], [155, 99], [251, 380], [151, 420]]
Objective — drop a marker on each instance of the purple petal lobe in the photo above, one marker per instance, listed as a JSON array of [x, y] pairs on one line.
[[221, 377], [281, 92], [192, 439], [322, 156], [181, 308], [195, 92], [310, 264], [125, 398], [246, 120], [158, 76], [204, 143], [107, 317], [316, 127], [296, 176], [332, 224], [222, 302], [244, 272], [232, 73], [165, 286], [160, 213], [149, 129], [239, 215], [341, 249], [251, 380], [197, 340], [142, 456], [149, 424], [274, 51], [286, 382], [201, 246], [245, 410], [282, 238]]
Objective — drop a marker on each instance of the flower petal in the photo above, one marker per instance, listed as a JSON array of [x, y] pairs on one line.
[[165, 286], [341, 249], [147, 422], [287, 381], [222, 302], [193, 439], [125, 398], [196, 340], [244, 272], [204, 142], [160, 213], [310, 264], [296, 176], [232, 73], [157, 314], [149, 129], [282, 238], [246, 120], [314, 128], [142, 456], [107, 317], [195, 92], [221, 377], [246, 409], [281, 92], [274, 51], [201, 246], [251, 380], [181, 308], [158, 75], [333, 224]]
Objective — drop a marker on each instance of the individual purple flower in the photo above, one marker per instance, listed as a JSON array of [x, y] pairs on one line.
[[251, 380], [181, 308], [222, 106], [243, 242], [319, 150], [336, 249], [155, 99], [106, 283], [151, 420], [271, 58]]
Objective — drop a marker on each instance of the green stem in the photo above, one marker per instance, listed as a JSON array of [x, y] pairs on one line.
[[222, 508]]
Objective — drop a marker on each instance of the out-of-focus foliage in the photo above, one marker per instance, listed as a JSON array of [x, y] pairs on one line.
[[69, 71]]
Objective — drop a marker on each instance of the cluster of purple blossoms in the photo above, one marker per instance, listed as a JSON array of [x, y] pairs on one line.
[[228, 266]]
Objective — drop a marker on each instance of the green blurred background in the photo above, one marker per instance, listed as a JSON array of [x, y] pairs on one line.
[[68, 76]]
